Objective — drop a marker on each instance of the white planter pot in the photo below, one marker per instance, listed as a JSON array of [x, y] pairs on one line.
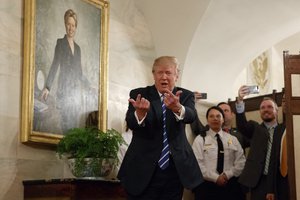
[[91, 167]]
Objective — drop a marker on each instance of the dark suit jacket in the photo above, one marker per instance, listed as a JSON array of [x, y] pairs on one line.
[[276, 182], [197, 127], [69, 66], [242, 139], [145, 148], [71, 83], [258, 136]]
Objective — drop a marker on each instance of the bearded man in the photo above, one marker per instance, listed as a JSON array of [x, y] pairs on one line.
[[257, 175]]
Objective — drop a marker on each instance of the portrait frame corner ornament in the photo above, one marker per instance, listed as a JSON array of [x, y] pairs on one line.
[[28, 133]]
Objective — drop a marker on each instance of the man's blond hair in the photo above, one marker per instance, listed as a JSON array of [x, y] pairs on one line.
[[166, 60]]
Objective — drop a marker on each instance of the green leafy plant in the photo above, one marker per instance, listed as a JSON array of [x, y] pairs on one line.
[[92, 143]]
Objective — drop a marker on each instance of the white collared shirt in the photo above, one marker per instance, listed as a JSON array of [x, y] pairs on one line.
[[206, 152]]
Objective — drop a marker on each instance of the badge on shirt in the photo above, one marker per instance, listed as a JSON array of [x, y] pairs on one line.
[[229, 142]]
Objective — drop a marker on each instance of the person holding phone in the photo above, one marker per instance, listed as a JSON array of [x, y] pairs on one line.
[[258, 168]]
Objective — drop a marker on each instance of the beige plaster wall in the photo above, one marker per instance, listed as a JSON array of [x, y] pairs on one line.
[[130, 57]]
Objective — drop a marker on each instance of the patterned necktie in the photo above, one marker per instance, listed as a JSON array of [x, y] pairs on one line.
[[163, 162], [283, 158], [220, 163], [269, 149]]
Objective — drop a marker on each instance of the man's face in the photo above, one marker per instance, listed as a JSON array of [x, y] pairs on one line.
[[227, 113], [165, 76], [268, 111]]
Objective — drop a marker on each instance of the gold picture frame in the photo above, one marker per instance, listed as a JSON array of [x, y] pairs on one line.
[[44, 119]]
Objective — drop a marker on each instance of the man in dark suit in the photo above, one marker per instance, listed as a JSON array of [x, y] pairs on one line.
[[257, 174], [227, 126], [141, 173]]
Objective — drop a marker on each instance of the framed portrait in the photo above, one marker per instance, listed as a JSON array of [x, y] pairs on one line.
[[64, 67]]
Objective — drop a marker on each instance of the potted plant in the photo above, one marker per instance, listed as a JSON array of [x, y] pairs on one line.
[[90, 151]]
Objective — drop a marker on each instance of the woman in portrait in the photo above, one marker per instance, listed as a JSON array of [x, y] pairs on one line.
[[70, 81]]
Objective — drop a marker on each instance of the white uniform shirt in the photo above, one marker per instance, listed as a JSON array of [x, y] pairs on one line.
[[206, 152]]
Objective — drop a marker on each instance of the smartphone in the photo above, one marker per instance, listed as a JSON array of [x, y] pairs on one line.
[[199, 95], [203, 96], [253, 89]]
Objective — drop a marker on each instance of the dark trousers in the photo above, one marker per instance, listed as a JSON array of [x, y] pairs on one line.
[[164, 185], [282, 188], [211, 191], [261, 190]]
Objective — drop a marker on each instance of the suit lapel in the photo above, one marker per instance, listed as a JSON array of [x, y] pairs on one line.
[[157, 106], [156, 103], [266, 132], [278, 132]]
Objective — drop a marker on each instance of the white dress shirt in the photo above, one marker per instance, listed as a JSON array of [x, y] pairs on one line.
[[178, 117], [206, 152]]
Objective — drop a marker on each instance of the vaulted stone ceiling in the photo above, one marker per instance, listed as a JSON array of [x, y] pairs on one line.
[[216, 40]]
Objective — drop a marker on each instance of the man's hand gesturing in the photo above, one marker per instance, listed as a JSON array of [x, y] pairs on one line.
[[141, 106]]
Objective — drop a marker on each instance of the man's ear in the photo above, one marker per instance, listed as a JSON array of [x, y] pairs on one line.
[[177, 76]]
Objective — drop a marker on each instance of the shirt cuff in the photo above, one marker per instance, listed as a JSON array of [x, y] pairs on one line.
[[140, 122], [229, 174], [182, 113], [214, 177]]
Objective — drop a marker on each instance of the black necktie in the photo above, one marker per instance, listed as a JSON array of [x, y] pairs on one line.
[[220, 163]]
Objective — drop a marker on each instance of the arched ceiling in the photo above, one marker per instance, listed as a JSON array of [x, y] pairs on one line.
[[216, 40], [173, 24]]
